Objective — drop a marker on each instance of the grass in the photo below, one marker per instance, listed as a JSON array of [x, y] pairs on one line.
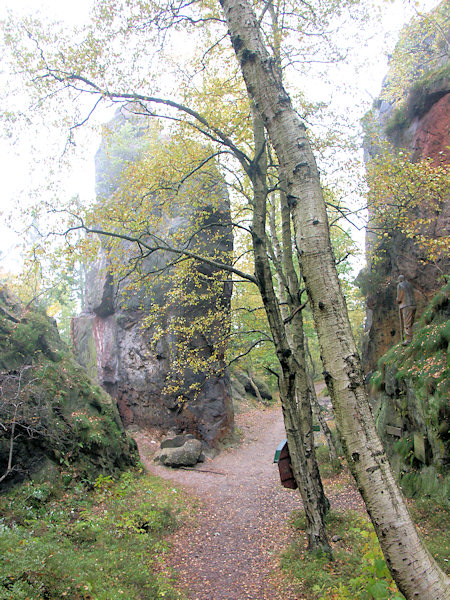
[[105, 543], [358, 570], [433, 522]]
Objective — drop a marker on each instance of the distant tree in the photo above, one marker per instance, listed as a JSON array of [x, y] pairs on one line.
[[24, 413]]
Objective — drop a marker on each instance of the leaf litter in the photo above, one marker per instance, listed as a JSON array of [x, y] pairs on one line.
[[231, 550]]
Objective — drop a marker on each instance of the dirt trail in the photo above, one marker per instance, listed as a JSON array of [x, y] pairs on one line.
[[233, 551]]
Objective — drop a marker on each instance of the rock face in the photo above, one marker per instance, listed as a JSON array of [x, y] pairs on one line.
[[123, 352], [57, 418], [246, 384], [410, 396], [420, 128]]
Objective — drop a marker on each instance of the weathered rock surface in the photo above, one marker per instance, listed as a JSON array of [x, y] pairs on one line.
[[424, 131], [123, 354], [411, 407], [248, 387], [179, 451], [61, 420]]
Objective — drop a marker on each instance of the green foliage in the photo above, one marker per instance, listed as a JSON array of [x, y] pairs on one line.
[[422, 47], [104, 544], [425, 361], [397, 122], [427, 482], [408, 197], [327, 467], [358, 571], [433, 522]]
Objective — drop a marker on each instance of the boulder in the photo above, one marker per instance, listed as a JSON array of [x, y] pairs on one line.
[[244, 383], [65, 421], [179, 451]]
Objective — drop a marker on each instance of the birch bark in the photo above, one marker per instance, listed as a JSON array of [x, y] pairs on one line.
[[413, 568], [293, 379]]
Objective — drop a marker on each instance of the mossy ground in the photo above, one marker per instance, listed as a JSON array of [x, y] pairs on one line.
[[102, 542]]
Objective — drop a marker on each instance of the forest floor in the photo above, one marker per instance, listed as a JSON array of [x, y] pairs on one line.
[[231, 550]]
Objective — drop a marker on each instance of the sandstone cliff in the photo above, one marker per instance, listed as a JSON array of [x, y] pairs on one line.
[[138, 359], [417, 122]]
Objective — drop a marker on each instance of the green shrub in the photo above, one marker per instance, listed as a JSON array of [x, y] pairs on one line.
[[397, 123]]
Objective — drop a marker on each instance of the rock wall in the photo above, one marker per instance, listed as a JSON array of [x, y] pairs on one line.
[[420, 128], [119, 348], [61, 420], [410, 394]]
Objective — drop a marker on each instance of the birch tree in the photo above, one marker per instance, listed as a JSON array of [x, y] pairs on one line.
[[411, 565], [256, 49]]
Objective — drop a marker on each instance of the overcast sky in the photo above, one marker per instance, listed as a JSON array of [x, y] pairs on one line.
[[15, 163]]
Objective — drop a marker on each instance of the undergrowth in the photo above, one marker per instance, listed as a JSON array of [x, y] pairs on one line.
[[420, 373], [358, 570], [102, 543]]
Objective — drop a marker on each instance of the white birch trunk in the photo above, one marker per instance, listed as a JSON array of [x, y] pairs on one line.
[[293, 380], [414, 570]]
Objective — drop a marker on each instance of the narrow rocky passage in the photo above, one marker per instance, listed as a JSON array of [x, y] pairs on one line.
[[232, 552]]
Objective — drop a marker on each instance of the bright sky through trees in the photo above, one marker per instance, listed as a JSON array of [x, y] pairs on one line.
[[21, 173]]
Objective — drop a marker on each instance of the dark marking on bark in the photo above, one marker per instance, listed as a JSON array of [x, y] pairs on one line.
[[291, 200], [321, 305], [315, 222], [257, 240], [355, 457], [247, 56], [301, 166], [237, 43], [373, 469], [327, 378]]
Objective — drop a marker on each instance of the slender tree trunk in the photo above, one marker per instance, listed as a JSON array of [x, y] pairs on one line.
[[255, 389], [293, 380], [291, 311], [317, 411], [412, 566], [332, 451]]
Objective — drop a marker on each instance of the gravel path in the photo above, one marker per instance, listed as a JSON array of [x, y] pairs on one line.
[[233, 550]]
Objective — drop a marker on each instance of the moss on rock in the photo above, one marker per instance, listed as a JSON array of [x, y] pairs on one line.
[[50, 410], [411, 390]]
